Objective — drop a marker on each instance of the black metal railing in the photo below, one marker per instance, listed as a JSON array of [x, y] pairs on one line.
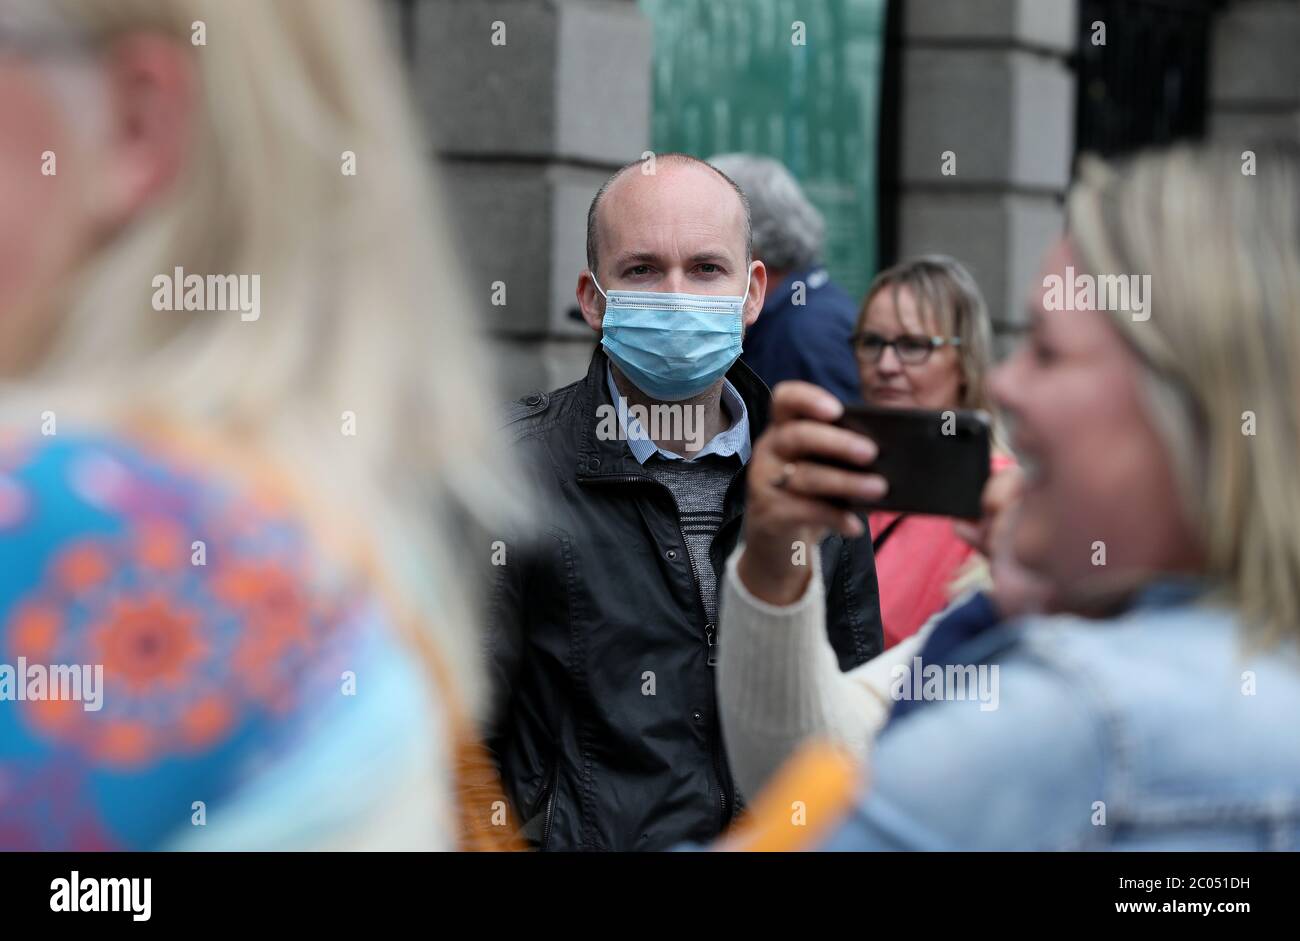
[[1147, 85]]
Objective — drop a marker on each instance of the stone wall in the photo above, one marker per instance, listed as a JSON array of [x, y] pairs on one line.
[[987, 125], [530, 105], [1255, 71]]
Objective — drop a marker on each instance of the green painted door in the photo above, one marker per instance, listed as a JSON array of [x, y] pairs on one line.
[[798, 80]]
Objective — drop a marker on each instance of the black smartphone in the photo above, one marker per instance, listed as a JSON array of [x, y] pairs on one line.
[[936, 462]]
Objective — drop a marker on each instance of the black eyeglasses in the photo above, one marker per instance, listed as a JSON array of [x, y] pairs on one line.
[[910, 348]]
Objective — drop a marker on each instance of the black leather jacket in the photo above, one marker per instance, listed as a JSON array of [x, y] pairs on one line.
[[606, 731]]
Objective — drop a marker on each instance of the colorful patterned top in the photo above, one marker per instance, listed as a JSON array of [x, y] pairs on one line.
[[180, 667]]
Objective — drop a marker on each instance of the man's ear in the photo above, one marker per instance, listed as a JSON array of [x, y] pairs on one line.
[[590, 302], [757, 291], [152, 96]]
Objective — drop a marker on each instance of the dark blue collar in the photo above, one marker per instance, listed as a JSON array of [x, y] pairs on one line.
[[977, 615]]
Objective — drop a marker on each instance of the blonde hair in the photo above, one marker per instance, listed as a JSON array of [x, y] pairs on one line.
[[946, 291], [1221, 348], [363, 311]]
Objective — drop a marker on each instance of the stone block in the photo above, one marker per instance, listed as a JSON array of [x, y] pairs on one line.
[[1047, 24], [1007, 116], [551, 79], [1001, 237]]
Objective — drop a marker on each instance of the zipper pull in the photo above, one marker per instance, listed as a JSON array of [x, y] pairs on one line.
[[711, 635]]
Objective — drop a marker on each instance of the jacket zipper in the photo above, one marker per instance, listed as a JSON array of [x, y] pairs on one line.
[[545, 801], [550, 805], [711, 636]]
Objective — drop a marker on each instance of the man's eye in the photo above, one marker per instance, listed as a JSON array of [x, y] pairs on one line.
[[638, 270], [709, 268]]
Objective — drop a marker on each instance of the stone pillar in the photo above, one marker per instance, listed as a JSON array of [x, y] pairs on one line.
[[531, 104], [1255, 71], [987, 95]]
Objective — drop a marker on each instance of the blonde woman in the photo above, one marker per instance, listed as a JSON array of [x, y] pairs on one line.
[[923, 341], [242, 410], [1159, 510]]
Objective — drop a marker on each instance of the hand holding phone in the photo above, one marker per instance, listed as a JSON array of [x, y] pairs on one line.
[[795, 494]]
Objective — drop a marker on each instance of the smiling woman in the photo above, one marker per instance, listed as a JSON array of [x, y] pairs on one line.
[[1168, 541]]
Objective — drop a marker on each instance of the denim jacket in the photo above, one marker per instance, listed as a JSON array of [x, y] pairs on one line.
[[1155, 730]]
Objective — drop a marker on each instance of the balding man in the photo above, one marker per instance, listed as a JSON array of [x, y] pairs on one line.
[[603, 627]]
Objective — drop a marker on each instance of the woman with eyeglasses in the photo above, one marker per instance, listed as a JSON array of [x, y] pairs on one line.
[[923, 341]]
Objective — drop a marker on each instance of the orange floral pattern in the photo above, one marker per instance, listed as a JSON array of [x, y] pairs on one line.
[[202, 604]]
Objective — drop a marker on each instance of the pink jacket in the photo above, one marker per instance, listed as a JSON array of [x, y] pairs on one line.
[[915, 566]]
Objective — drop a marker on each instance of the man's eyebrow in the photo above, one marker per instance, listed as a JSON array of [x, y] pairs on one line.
[[710, 258], [636, 258]]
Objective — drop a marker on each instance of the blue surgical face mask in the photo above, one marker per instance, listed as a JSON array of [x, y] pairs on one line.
[[672, 346]]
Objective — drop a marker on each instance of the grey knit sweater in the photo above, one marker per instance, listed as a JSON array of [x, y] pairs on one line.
[[699, 488]]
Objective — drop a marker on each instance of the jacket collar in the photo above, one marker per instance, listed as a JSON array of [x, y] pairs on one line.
[[613, 458]]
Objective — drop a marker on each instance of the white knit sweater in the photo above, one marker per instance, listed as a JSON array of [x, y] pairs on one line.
[[779, 682]]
